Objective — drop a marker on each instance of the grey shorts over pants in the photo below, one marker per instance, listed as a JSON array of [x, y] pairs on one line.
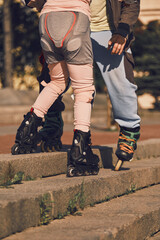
[[66, 36], [117, 72]]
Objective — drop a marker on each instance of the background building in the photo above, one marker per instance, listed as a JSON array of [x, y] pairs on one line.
[[150, 10]]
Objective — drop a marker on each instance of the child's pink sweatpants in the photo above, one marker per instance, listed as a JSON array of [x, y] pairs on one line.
[[83, 87]]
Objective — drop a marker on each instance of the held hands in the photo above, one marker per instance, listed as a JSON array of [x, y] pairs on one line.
[[117, 42]]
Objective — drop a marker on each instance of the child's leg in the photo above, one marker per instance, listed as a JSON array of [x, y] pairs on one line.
[[26, 138], [83, 87], [82, 161], [59, 79]]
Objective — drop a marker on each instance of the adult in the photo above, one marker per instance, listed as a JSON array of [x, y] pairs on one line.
[[112, 34]]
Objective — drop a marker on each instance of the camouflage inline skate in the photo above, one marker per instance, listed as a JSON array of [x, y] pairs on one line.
[[127, 144]]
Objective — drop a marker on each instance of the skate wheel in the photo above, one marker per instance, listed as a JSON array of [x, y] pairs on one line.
[[15, 149], [27, 152], [118, 165], [42, 147], [70, 172], [86, 173], [57, 147], [18, 149], [53, 149], [95, 172], [33, 151], [80, 173], [49, 150]]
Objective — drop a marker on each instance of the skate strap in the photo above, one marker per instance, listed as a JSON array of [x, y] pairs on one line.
[[32, 110], [88, 138]]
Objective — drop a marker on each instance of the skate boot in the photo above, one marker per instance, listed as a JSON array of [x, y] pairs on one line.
[[127, 144], [51, 132], [82, 161], [27, 136]]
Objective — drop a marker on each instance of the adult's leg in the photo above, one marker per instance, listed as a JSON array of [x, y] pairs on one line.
[[117, 71], [119, 82]]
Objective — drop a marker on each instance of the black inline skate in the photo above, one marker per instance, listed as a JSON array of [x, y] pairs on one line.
[[127, 144], [51, 132], [27, 136], [82, 161]]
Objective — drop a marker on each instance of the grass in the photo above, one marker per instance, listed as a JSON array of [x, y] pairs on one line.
[[9, 177]]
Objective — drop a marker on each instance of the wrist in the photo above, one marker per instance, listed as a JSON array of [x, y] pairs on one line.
[[123, 29]]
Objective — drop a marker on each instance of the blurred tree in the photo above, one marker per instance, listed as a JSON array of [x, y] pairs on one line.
[[146, 49], [7, 44], [25, 45]]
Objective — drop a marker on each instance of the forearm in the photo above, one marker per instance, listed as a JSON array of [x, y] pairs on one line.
[[129, 16]]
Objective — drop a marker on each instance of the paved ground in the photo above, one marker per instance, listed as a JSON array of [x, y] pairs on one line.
[[99, 136]]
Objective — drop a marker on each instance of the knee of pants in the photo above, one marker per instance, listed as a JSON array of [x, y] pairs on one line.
[[85, 95], [58, 88]]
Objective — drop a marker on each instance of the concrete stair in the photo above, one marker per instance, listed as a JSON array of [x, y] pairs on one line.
[[155, 236], [130, 217], [129, 198], [49, 164]]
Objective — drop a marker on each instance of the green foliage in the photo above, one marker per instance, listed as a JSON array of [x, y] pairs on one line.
[[45, 210], [132, 189], [46, 207], [9, 178], [26, 37], [77, 202], [29, 178], [72, 206], [146, 49]]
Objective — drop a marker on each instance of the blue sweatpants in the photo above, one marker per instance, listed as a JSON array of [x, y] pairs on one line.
[[121, 90]]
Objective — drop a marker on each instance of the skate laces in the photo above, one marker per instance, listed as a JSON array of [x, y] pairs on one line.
[[125, 144]]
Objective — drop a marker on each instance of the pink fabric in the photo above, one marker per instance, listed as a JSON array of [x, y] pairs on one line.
[[83, 88], [82, 116], [63, 5], [82, 83], [58, 83]]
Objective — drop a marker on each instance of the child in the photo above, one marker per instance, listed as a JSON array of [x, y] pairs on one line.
[[65, 40]]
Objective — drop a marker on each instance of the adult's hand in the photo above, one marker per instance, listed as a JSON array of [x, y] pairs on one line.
[[117, 42], [38, 4]]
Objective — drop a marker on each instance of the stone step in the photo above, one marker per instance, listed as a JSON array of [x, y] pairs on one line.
[[155, 236], [131, 217], [49, 164], [26, 205]]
